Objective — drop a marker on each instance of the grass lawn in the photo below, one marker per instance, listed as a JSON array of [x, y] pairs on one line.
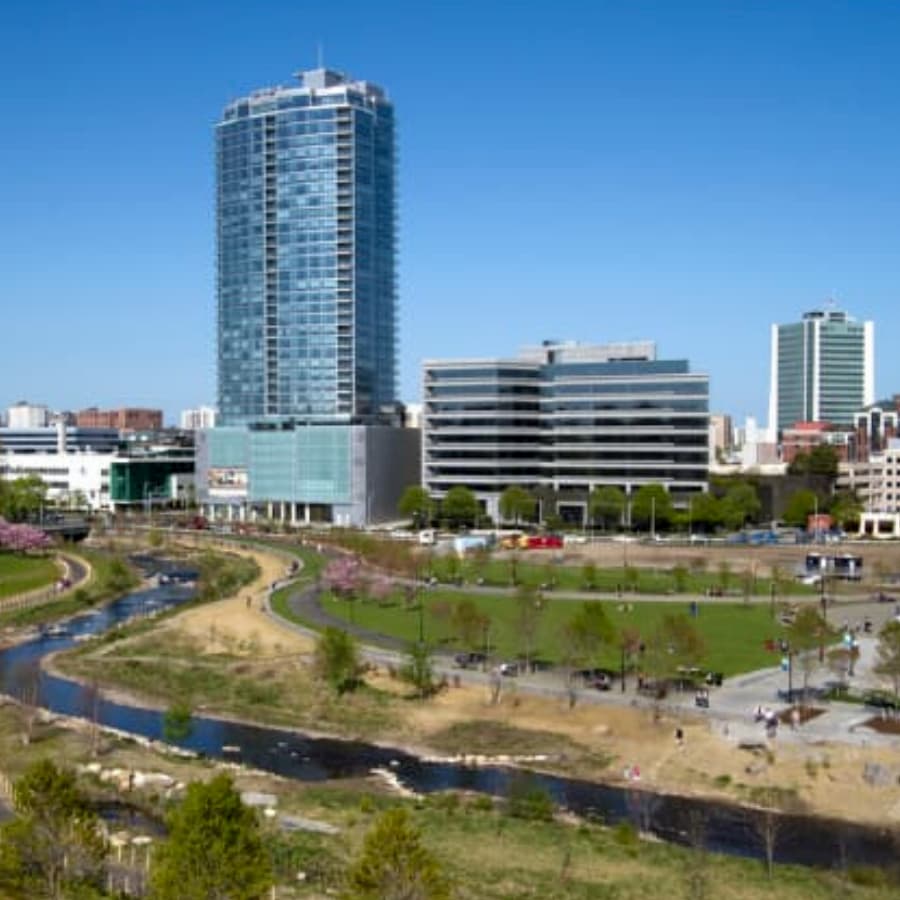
[[538, 567], [734, 633], [19, 573]]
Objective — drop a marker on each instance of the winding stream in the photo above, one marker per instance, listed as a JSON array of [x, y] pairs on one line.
[[728, 829]]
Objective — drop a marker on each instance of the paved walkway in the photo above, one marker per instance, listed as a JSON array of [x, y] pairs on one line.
[[733, 705]]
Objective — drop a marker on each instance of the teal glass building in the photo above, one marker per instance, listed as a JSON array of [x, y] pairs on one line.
[[822, 369], [306, 220]]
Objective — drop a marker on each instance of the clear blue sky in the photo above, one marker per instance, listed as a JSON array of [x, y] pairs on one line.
[[683, 171]]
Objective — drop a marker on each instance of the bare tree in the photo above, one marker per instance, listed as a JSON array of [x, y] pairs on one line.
[[27, 678], [767, 819], [529, 609], [696, 871]]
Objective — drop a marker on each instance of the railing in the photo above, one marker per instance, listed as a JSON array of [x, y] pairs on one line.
[[40, 596]]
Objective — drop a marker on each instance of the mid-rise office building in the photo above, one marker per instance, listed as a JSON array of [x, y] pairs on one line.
[[307, 295], [562, 419], [822, 369]]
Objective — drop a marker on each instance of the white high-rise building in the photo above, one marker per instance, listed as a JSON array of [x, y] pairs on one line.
[[196, 419], [27, 415]]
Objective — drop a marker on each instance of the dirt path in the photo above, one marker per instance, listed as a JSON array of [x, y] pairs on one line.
[[224, 623]]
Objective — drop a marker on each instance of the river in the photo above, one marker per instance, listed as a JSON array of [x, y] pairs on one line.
[[727, 828]]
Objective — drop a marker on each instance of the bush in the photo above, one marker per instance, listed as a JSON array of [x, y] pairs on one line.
[[528, 800]]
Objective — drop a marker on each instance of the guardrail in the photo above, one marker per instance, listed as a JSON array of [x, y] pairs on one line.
[[40, 596]]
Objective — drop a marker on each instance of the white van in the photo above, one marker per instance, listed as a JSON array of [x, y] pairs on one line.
[[427, 537]]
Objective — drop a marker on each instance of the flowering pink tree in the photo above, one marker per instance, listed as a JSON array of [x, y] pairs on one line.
[[342, 576], [380, 589], [22, 538]]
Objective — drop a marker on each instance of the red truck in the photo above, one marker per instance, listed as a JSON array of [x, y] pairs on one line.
[[543, 542]]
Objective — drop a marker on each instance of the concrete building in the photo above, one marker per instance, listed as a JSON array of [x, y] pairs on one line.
[[307, 295], [876, 481], [822, 369], [201, 417], [27, 415], [721, 437], [94, 467], [123, 419], [563, 418], [72, 462]]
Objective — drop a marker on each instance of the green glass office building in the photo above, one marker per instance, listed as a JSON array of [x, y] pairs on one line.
[[822, 369]]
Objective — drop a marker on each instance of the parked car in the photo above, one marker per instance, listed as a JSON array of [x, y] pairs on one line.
[[469, 660], [510, 669]]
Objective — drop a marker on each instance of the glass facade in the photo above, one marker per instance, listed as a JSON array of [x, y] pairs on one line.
[[565, 422], [822, 369], [306, 285]]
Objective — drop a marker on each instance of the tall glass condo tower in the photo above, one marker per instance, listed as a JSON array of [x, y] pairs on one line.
[[306, 223]]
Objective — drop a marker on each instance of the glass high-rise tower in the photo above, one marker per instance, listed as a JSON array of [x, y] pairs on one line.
[[823, 369], [306, 222]]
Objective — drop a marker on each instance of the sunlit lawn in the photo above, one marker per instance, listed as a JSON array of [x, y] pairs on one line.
[[734, 633], [19, 573]]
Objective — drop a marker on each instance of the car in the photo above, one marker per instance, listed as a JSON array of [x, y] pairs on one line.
[[509, 669], [469, 660], [600, 682]]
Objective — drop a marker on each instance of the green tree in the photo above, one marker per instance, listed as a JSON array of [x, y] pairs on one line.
[[888, 651], [740, 505], [393, 864], [55, 839], [516, 504], [336, 659], [705, 512], [178, 723], [823, 460], [799, 465], [416, 504], [590, 631], [22, 498], [651, 502], [606, 503], [214, 849], [460, 506], [419, 669], [845, 509], [800, 506]]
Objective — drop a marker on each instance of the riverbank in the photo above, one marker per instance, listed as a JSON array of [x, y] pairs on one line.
[[232, 661], [490, 851], [595, 742]]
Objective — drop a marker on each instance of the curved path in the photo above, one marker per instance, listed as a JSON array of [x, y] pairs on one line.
[[733, 703]]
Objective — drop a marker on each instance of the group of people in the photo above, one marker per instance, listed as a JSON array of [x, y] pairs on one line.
[[769, 717]]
